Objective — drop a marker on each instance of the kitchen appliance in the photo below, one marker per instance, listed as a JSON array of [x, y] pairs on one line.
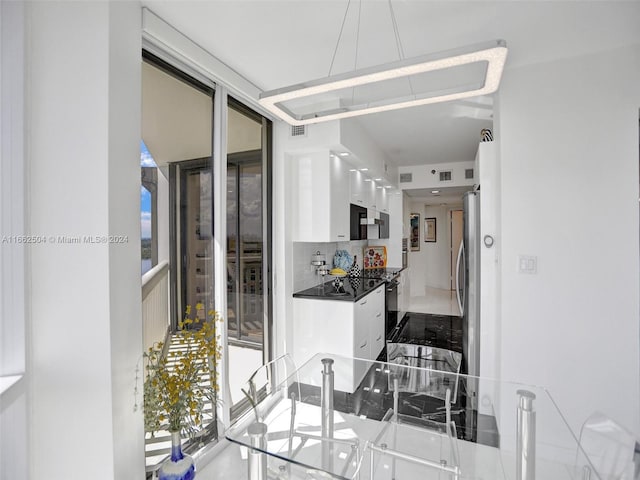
[[383, 230], [468, 295], [391, 306], [319, 261], [358, 230]]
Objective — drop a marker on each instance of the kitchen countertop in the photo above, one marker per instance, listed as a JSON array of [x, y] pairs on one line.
[[381, 272], [355, 288]]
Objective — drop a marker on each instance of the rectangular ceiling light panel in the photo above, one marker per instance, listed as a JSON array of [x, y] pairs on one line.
[[492, 55]]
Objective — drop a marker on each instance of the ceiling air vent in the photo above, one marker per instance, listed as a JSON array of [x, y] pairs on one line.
[[445, 176], [406, 177], [468, 173], [299, 131]]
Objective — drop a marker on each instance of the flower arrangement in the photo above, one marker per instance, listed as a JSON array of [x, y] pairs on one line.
[[175, 397]]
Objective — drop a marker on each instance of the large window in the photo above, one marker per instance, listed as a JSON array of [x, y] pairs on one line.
[[179, 131], [248, 248], [176, 218]]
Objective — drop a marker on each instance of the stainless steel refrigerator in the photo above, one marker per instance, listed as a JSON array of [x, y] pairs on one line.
[[468, 294]]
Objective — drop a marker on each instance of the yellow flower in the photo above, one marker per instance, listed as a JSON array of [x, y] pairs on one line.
[[172, 391]]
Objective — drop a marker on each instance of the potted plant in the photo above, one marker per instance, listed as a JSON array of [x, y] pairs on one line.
[[175, 395]]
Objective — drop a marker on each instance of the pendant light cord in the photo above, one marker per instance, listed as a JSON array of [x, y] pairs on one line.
[[335, 51], [396, 32], [355, 60]]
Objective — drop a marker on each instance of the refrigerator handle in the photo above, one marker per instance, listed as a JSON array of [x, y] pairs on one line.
[[458, 296]]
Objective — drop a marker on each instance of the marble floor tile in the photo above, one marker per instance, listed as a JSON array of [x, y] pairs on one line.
[[435, 300]]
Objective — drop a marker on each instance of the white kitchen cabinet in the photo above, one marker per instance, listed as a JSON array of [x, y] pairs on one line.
[[369, 323], [350, 329], [382, 203], [320, 198], [369, 194], [356, 188], [362, 192]]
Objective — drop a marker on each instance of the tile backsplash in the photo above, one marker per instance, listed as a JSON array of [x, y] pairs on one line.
[[304, 274]]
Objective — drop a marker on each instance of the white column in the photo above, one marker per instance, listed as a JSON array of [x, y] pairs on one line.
[[86, 334]]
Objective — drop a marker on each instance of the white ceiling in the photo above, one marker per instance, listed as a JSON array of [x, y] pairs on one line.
[[278, 43]]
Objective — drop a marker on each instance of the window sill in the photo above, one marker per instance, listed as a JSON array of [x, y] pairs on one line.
[[6, 381]]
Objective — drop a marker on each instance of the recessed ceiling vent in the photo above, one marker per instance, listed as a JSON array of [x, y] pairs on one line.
[[406, 177], [468, 173], [445, 176], [299, 131]]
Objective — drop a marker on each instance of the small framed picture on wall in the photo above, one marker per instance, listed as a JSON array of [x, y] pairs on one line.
[[430, 229], [414, 224]]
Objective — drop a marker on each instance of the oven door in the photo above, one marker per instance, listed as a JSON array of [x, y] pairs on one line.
[[391, 304]]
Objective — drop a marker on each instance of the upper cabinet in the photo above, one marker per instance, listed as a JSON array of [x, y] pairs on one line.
[[323, 187], [362, 191], [382, 202], [356, 188], [320, 183]]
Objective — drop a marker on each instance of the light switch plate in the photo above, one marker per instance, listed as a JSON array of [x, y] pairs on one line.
[[527, 264]]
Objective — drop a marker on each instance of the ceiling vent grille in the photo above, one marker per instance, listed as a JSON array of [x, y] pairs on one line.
[[445, 176], [406, 177], [468, 173], [299, 131]]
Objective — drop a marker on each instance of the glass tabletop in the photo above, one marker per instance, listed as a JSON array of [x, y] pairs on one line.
[[415, 416]]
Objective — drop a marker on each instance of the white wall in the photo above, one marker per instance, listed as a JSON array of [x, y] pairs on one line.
[[13, 309], [353, 137], [423, 178], [430, 266], [568, 134], [86, 334], [304, 274], [489, 179]]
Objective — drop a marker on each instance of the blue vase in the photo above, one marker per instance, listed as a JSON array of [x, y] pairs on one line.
[[179, 466]]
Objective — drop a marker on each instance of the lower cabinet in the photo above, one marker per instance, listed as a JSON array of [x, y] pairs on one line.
[[349, 329]]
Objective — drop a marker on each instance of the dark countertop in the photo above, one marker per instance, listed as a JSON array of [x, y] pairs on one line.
[[354, 288], [381, 272]]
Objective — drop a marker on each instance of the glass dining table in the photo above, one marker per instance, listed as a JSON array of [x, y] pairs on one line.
[[405, 420]]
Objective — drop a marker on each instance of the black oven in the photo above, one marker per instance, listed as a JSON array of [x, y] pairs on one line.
[[391, 303]]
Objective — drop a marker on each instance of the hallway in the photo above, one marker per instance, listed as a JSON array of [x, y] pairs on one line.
[[436, 301]]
